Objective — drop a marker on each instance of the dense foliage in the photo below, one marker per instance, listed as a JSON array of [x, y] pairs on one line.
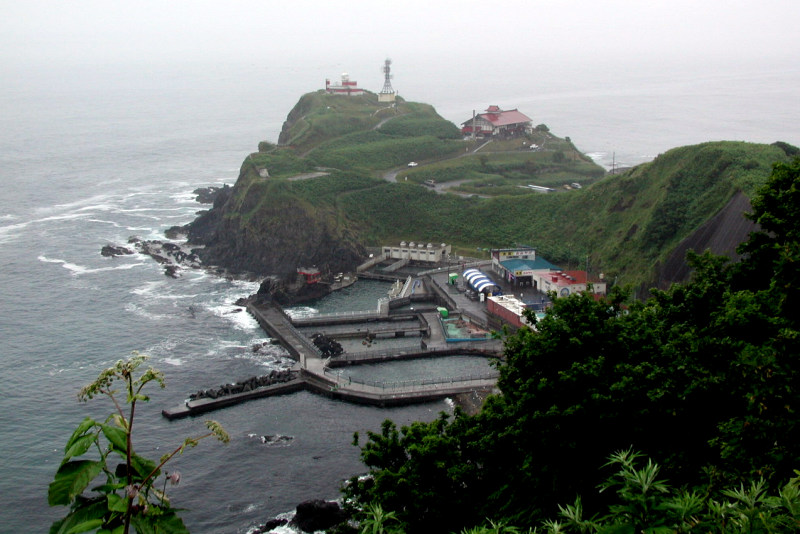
[[702, 378]]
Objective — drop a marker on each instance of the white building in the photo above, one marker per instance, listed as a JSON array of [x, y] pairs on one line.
[[429, 252]]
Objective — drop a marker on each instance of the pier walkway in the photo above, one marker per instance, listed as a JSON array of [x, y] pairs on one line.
[[317, 374]]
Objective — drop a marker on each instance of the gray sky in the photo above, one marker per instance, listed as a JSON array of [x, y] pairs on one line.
[[166, 30]]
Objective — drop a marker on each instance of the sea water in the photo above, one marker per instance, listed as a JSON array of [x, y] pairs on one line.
[[91, 155]]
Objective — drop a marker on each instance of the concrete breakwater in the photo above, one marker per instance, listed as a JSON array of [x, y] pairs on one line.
[[244, 386], [207, 404], [314, 370]]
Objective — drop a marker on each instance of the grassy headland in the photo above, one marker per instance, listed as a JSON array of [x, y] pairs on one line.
[[341, 161]]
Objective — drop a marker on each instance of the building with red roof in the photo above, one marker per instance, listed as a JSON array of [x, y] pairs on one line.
[[348, 87], [565, 283], [496, 121]]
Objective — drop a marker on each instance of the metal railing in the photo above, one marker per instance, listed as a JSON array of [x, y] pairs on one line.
[[456, 267], [422, 384], [480, 347], [362, 314]]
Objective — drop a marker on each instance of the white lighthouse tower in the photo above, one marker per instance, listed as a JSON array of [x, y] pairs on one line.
[[387, 94]]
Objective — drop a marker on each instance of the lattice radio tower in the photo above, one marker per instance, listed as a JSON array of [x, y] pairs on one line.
[[387, 93]]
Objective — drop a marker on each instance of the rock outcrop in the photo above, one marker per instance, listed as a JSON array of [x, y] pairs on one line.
[[110, 251], [207, 195], [171, 255], [263, 230], [315, 515]]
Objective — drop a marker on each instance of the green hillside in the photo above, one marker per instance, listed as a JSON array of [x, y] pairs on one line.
[[343, 160]]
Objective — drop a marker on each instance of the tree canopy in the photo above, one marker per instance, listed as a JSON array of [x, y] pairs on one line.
[[702, 378]]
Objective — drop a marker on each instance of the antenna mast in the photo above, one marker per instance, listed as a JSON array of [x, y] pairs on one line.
[[387, 94]]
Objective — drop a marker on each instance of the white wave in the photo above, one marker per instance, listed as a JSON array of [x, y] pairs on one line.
[[145, 210], [8, 217], [236, 315], [184, 198], [98, 207], [10, 232], [77, 270], [96, 199], [173, 361], [133, 308], [147, 288], [7, 233], [251, 508], [275, 360], [159, 290], [115, 224]]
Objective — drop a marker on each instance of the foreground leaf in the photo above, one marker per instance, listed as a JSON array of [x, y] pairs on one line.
[[87, 511], [71, 479], [80, 446], [166, 523], [117, 437], [80, 431]]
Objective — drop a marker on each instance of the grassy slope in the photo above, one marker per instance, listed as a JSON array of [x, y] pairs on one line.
[[624, 224]]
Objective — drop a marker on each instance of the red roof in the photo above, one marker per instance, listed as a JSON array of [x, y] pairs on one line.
[[504, 118], [580, 277]]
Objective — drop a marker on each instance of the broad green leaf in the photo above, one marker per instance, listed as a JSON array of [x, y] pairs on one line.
[[71, 479], [80, 445], [166, 523], [117, 437], [87, 511], [117, 503], [85, 425], [143, 466], [86, 526], [109, 488]]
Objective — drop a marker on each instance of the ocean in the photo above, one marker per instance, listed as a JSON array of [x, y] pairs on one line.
[[91, 155]]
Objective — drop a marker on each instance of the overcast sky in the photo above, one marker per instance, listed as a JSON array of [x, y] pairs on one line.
[[91, 31]]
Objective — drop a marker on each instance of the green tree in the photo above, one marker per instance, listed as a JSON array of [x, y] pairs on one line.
[[129, 495]]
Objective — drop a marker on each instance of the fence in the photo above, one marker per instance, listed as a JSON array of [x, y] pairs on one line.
[[483, 348], [363, 314], [456, 267], [418, 384]]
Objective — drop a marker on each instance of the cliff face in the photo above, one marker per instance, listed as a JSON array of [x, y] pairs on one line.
[[246, 231], [721, 235]]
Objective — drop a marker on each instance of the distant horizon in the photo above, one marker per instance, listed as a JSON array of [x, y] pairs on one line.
[[630, 112]]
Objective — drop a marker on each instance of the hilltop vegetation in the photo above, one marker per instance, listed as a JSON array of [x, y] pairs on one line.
[[341, 167]]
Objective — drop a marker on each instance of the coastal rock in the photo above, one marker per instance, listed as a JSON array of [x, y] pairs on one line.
[[315, 515], [172, 271], [285, 294], [207, 195], [171, 255], [247, 231], [113, 250]]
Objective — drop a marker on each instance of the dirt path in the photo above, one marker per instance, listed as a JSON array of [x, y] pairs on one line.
[[442, 188]]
